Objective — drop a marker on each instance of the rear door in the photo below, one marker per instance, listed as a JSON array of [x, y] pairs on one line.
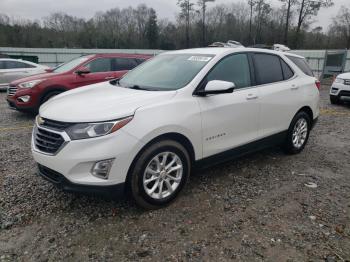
[[279, 94], [230, 120], [123, 65]]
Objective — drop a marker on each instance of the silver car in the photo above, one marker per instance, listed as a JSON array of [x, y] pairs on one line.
[[13, 69]]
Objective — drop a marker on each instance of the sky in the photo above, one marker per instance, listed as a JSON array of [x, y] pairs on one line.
[[36, 9]]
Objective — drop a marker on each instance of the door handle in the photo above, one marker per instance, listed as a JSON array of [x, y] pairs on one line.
[[251, 96], [109, 77], [294, 87]]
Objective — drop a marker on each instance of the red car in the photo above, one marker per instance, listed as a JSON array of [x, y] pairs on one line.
[[27, 94]]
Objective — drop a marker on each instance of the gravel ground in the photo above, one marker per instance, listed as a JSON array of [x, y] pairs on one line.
[[256, 208]]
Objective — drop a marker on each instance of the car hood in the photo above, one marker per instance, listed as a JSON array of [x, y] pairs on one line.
[[99, 102], [34, 77], [344, 76]]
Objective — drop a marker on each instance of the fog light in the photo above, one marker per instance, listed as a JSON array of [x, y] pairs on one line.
[[24, 99], [101, 168]]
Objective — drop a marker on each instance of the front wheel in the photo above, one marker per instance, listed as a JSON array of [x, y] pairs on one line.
[[334, 100], [159, 174], [298, 133]]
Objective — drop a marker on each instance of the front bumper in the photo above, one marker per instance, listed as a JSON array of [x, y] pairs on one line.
[[14, 101], [341, 91], [74, 161], [63, 183]]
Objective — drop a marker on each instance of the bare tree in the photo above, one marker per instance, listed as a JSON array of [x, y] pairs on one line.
[[186, 10], [203, 6], [289, 5], [251, 4], [263, 9], [307, 10], [341, 25]]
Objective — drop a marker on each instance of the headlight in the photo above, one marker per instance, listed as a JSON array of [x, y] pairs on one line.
[[30, 84], [339, 81], [89, 130]]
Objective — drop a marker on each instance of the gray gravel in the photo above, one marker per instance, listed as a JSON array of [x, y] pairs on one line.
[[255, 208]]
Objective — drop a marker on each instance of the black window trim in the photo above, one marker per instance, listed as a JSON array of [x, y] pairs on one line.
[[294, 64], [203, 82], [280, 57], [94, 59], [291, 69], [254, 84]]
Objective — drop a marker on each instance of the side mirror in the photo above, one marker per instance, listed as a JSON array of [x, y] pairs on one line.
[[49, 70], [216, 87], [83, 71]]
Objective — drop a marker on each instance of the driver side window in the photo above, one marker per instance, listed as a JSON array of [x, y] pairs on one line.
[[100, 65], [234, 68]]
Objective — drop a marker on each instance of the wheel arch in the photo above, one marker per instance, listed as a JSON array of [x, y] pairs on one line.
[[308, 111], [180, 138], [50, 89]]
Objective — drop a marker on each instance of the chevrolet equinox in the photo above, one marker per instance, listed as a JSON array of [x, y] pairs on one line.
[[144, 133]]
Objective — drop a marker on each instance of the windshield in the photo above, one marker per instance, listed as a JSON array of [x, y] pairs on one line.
[[71, 64], [166, 72]]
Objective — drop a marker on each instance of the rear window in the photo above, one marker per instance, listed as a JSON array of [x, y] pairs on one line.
[[16, 64], [287, 72], [268, 68], [302, 64], [125, 64]]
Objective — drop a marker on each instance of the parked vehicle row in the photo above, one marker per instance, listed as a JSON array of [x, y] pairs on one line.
[[142, 135], [340, 90], [13, 69], [29, 93]]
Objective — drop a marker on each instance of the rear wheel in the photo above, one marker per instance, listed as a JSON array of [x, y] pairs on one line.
[[159, 174], [298, 133]]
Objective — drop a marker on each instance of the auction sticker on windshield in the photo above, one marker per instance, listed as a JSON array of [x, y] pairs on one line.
[[200, 58]]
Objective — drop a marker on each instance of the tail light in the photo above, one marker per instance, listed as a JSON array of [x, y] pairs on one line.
[[318, 84]]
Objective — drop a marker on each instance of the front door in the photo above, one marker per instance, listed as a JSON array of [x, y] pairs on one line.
[[230, 120], [101, 69]]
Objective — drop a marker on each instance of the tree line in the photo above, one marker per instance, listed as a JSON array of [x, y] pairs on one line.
[[197, 24]]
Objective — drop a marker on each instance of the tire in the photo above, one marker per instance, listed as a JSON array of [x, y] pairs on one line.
[[334, 100], [294, 144], [50, 95], [141, 190]]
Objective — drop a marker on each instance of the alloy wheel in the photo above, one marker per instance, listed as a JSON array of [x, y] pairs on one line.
[[300, 132], [163, 175]]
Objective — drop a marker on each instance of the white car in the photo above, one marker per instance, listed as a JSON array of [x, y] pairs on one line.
[[13, 69], [340, 90], [145, 133]]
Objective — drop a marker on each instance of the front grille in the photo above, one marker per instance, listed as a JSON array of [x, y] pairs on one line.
[[347, 81], [11, 91], [46, 141], [344, 93], [56, 125], [50, 174]]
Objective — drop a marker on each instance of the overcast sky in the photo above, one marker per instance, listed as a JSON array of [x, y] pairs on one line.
[[36, 9]]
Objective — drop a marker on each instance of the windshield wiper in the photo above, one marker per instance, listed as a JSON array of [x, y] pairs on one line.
[[115, 82], [137, 87]]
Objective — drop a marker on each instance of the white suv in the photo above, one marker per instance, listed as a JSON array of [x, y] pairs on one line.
[[340, 90], [144, 133]]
